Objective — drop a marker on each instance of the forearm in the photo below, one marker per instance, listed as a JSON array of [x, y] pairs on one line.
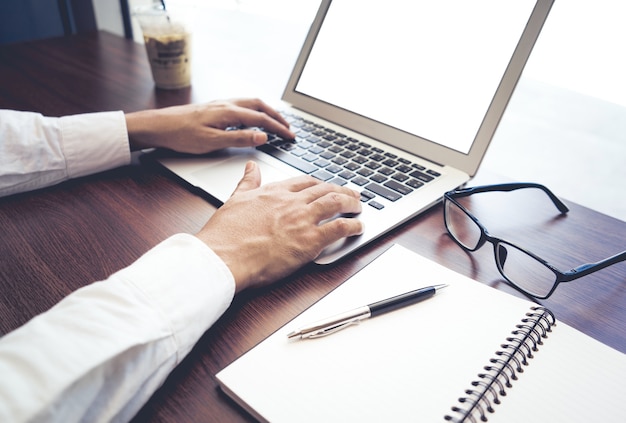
[[100, 353]]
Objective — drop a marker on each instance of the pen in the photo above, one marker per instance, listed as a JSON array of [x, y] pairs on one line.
[[335, 323]]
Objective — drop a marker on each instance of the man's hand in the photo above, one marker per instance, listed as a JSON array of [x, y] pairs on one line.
[[265, 233], [200, 128]]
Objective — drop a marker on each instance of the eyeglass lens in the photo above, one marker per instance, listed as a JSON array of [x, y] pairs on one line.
[[461, 226], [524, 270], [516, 265]]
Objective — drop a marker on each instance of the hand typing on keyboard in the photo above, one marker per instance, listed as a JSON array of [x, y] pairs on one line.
[[201, 128]]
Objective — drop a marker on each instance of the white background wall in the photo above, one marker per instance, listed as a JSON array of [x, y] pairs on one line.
[[109, 16]]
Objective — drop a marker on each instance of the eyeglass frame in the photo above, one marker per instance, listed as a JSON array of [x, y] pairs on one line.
[[561, 276]]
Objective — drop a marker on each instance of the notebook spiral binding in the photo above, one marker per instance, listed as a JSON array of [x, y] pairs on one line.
[[504, 367]]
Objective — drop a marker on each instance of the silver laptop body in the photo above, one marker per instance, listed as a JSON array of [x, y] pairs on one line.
[[422, 84]]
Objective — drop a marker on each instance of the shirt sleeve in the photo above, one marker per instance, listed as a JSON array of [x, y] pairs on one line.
[[38, 151], [100, 353]]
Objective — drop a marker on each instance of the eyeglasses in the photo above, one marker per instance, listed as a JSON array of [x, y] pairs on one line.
[[524, 270]]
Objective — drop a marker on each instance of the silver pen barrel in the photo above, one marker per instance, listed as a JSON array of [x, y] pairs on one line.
[[331, 324]]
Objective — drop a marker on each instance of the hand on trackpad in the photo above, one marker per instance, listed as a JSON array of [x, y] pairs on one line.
[[221, 179]]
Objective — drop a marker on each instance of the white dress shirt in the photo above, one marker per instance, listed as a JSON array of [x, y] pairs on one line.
[[100, 353], [38, 151]]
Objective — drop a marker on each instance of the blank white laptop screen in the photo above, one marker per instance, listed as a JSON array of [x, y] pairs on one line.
[[441, 88]]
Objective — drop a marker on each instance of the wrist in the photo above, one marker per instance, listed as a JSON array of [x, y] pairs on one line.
[[141, 128]]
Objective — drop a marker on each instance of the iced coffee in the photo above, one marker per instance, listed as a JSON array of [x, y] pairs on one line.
[[168, 44]]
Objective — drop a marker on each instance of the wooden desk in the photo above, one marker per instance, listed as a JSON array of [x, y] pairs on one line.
[[58, 239]]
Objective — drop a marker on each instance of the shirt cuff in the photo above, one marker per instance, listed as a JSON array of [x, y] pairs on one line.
[[187, 283], [94, 142]]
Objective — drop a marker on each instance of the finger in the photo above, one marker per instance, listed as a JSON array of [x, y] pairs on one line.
[[296, 184], [318, 190], [241, 138], [332, 204], [339, 228], [299, 183], [261, 106], [254, 118], [251, 178]]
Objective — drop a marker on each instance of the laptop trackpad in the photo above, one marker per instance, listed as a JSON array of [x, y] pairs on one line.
[[221, 179]]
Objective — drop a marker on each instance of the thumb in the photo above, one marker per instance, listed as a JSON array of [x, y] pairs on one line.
[[251, 178]]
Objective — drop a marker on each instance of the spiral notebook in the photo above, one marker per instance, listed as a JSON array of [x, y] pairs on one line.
[[467, 351]]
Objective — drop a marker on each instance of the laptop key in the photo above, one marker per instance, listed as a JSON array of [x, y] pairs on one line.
[[421, 176], [402, 189], [383, 192], [404, 168], [338, 181], [333, 168], [414, 183], [351, 166], [360, 181], [302, 143], [298, 152], [359, 159], [378, 178], [399, 177], [347, 175], [365, 172], [322, 175], [288, 158], [366, 195], [376, 205]]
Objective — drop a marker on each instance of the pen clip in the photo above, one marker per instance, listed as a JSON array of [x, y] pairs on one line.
[[334, 328], [332, 324]]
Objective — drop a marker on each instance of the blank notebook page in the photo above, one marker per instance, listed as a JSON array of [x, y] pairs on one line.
[[413, 364]]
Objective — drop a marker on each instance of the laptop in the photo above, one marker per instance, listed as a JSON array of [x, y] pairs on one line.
[[396, 99]]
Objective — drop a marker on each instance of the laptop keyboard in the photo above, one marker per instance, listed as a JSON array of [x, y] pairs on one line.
[[337, 158]]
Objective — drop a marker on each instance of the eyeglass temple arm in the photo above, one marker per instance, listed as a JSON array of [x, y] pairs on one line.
[[463, 192], [585, 269]]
